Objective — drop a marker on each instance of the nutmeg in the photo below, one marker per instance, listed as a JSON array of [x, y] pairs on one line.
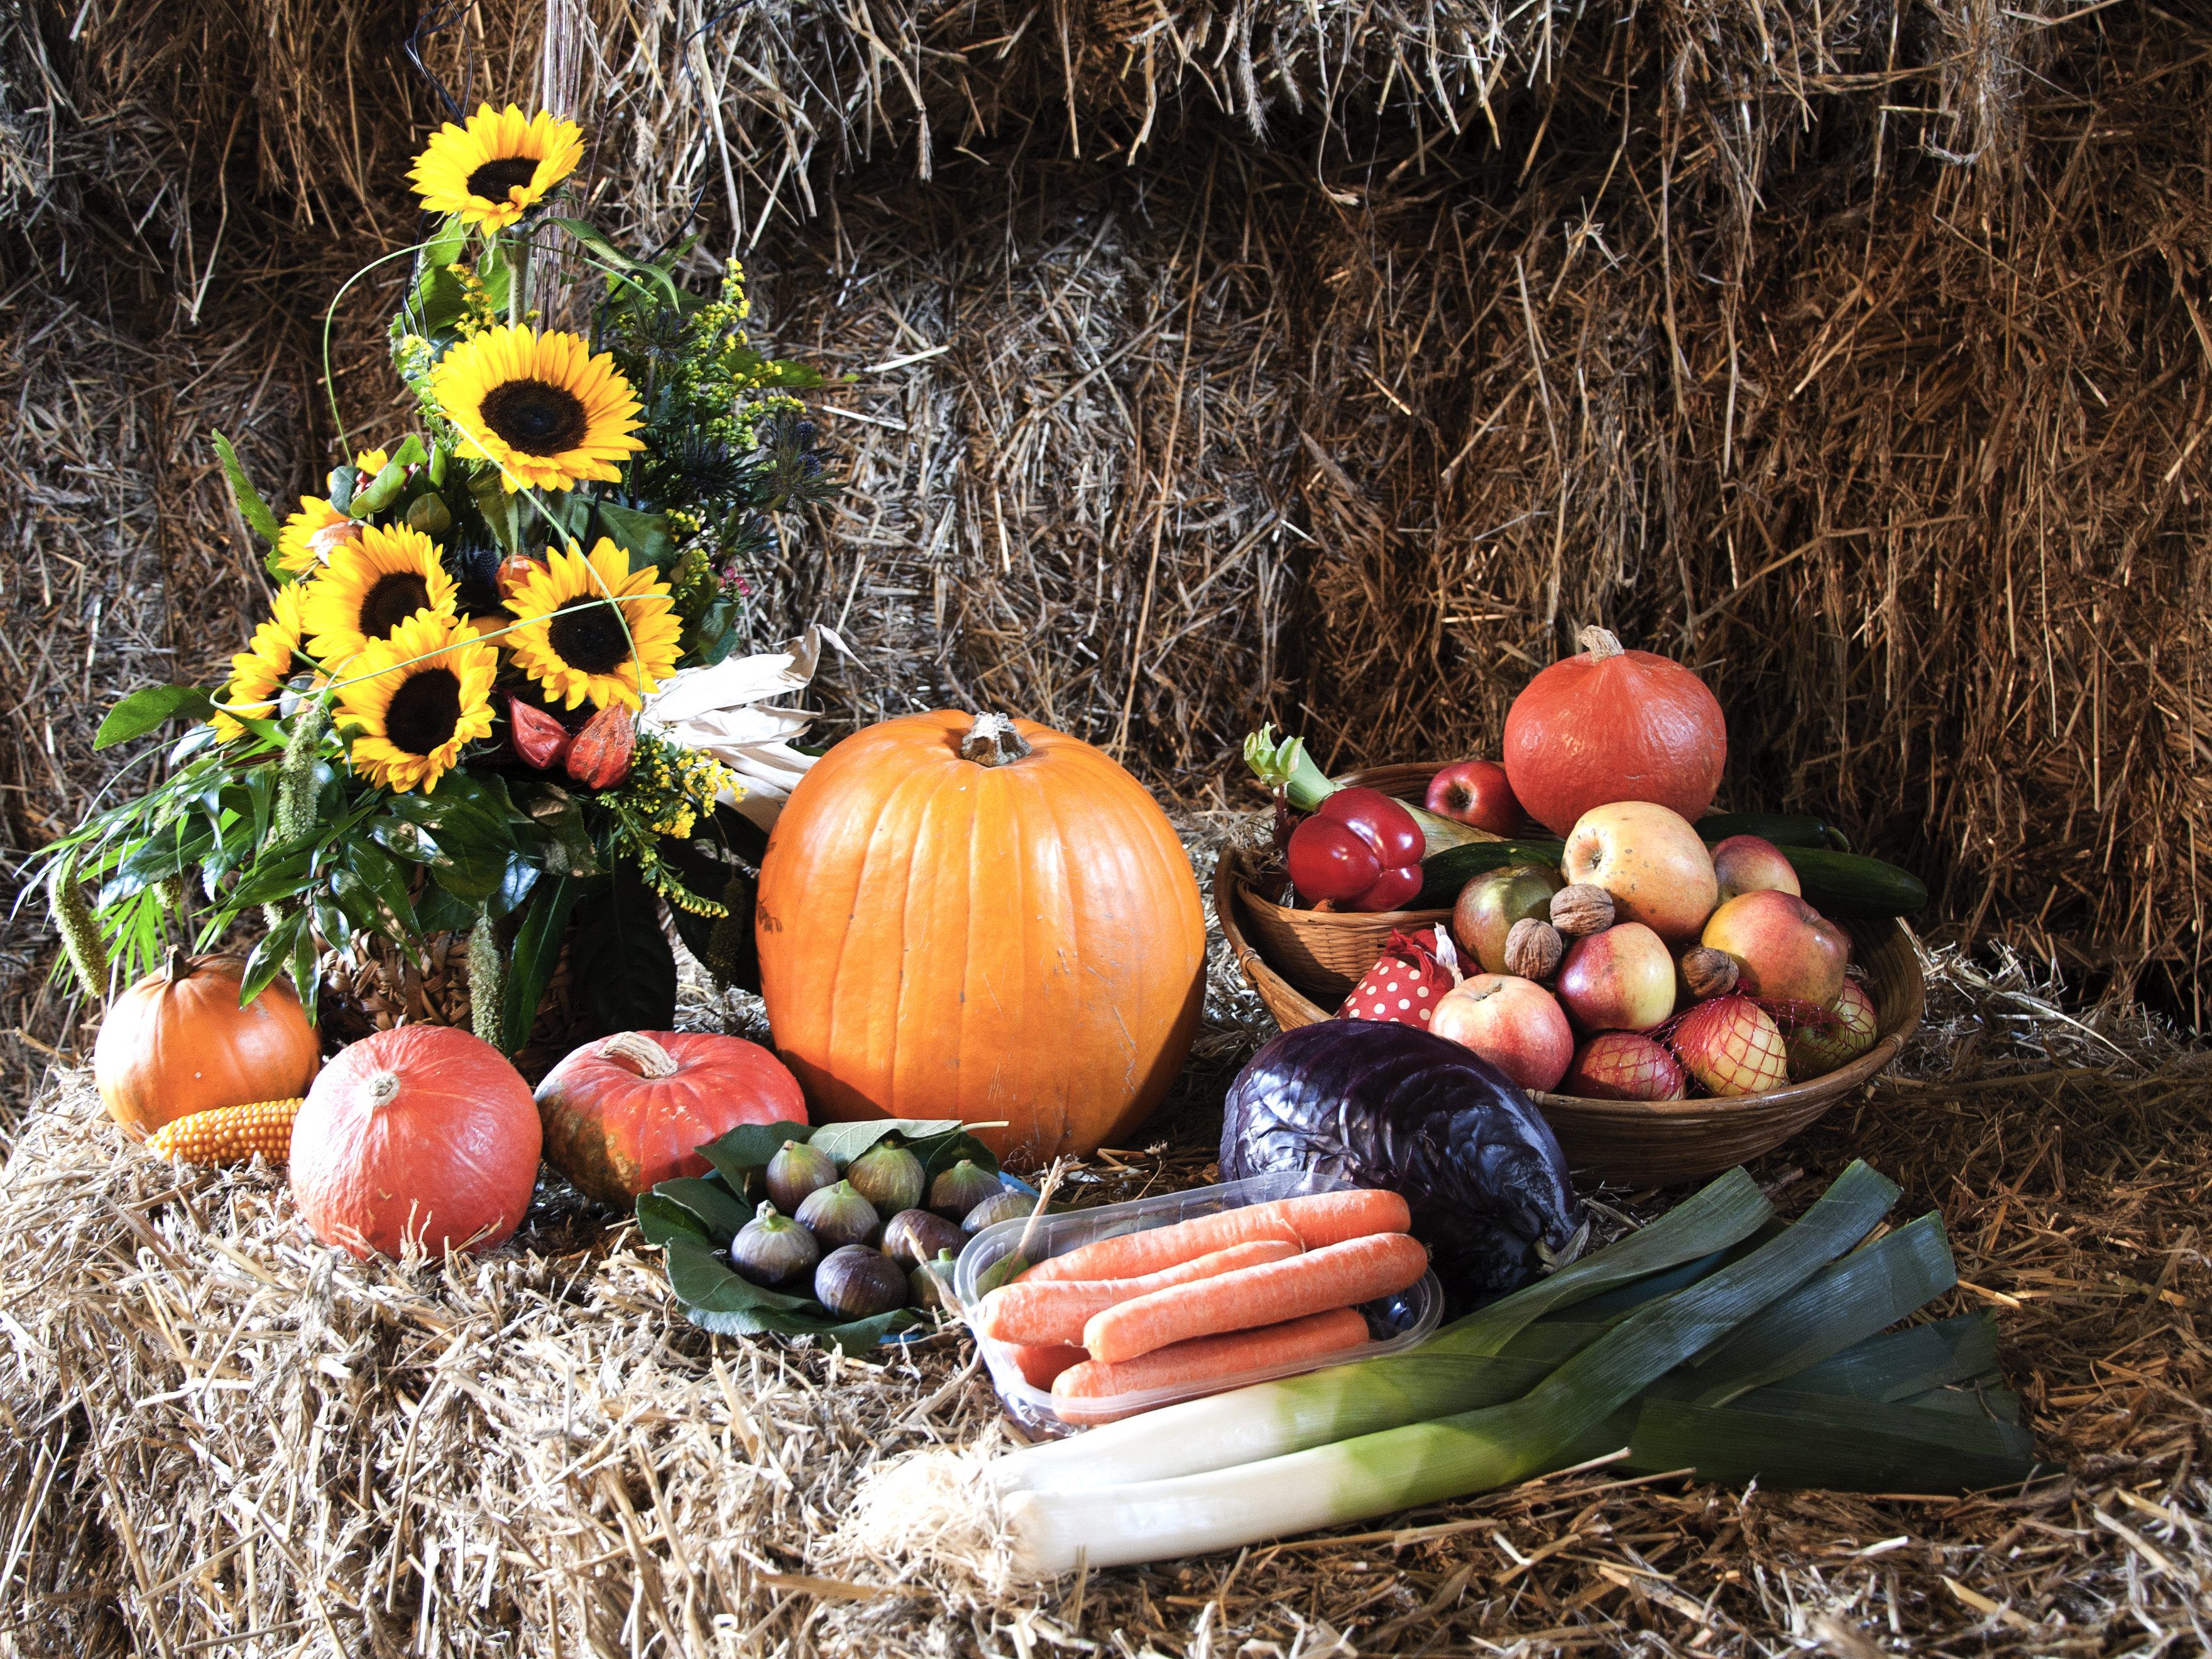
[[1533, 948], [1581, 909], [1707, 972]]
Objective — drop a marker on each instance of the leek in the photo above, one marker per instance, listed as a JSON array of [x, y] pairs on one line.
[[1781, 1438], [1450, 1372], [1431, 1462]]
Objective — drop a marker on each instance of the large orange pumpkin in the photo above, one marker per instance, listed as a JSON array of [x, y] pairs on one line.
[[981, 919], [631, 1110], [422, 1134], [177, 1042]]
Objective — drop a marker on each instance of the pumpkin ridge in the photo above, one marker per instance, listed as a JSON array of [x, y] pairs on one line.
[[910, 793]]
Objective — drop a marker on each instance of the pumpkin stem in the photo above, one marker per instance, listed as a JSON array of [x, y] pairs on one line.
[[383, 1089], [651, 1060], [1599, 643], [993, 741], [181, 963]]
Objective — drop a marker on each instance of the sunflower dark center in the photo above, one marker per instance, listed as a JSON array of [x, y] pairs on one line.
[[534, 417], [588, 636], [424, 711], [393, 599], [495, 179]]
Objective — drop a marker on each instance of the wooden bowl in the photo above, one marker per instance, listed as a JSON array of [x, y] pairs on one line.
[[1633, 1142], [1324, 953]]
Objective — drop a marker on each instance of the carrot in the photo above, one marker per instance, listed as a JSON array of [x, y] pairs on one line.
[[1042, 1366], [1310, 1222], [1054, 1311], [1333, 1276], [1203, 1359]]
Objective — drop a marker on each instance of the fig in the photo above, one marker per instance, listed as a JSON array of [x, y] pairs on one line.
[[1004, 1205], [837, 1215], [930, 1284], [914, 1236], [773, 1251], [889, 1177], [796, 1170], [858, 1282], [961, 1189]]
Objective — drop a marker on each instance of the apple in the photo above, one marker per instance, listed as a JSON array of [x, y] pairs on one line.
[[1476, 791], [1745, 864], [1514, 1024], [1819, 1046], [1651, 861], [1621, 980], [1490, 904], [1624, 1066], [1784, 951], [1732, 1046]]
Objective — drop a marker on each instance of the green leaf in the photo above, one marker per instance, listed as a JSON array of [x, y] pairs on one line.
[[306, 971], [635, 270], [661, 1219], [270, 956], [623, 962], [644, 536], [1899, 1363], [846, 1141], [712, 1201], [750, 1146], [403, 839], [716, 1299], [530, 962], [559, 816], [1782, 1439], [390, 479], [382, 887], [150, 707], [255, 511]]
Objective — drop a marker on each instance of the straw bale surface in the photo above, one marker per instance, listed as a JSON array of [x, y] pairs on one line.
[[222, 1437]]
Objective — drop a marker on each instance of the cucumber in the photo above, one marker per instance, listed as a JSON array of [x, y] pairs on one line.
[[1844, 886], [1783, 829]]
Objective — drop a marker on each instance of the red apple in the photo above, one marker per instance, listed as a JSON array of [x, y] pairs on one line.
[[1819, 1046], [1476, 791], [1623, 1066], [1784, 951], [1513, 1024], [1490, 904], [1745, 864], [1733, 1047], [1650, 860], [1620, 979]]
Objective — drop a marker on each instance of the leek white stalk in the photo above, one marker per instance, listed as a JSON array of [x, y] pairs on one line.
[[1454, 1371], [1427, 1462]]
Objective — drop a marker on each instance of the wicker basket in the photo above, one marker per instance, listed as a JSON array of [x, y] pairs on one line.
[[1639, 1143], [370, 985], [1324, 953]]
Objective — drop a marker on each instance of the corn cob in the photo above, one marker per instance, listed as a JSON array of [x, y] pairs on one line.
[[229, 1135]]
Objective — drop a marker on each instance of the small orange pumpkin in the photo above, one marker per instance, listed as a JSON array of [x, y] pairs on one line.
[[981, 919], [631, 1110], [177, 1042], [420, 1134]]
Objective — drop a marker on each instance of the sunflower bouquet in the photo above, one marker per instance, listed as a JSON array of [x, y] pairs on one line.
[[445, 725]]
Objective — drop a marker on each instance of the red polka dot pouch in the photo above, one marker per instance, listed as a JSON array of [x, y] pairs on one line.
[[1407, 980]]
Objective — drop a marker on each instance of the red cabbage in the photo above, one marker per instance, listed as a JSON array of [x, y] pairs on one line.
[[1385, 1105]]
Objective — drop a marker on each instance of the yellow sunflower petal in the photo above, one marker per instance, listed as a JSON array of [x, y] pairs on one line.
[[372, 585], [570, 640], [415, 699], [259, 672], [540, 406], [307, 535], [497, 167]]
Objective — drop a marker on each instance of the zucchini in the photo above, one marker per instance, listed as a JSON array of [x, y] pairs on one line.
[[1783, 829], [1842, 886], [1443, 873]]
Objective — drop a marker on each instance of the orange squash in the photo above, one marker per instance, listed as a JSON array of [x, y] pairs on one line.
[[421, 1134], [177, 1042], [631, 1110], [984, 920]]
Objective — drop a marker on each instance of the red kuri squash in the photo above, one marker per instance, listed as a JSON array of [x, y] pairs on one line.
[[631, 1110], [177, 1042], [1612, 724], [422, 1134], [981, 919]]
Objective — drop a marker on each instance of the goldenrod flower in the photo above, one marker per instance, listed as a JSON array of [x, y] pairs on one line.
[[414, 699], [570, 640], [540, 406], [371, 586], [498, 167], [259, 672]]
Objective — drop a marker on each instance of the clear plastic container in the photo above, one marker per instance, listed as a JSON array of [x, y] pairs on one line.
[[1396, 1322]]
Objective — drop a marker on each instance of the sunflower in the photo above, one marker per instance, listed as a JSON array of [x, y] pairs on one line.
[[540, 406], [497, 167], [371, 586], [414, 699], [259, 672], [309, 535], [568, 639]]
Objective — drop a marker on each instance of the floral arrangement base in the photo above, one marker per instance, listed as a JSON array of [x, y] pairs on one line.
[[370, 985]]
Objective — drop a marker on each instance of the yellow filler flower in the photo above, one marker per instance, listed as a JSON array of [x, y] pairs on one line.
[[418, 697], [371, 587], [540, 406], [259, 672], [498, 167], [569, 639]]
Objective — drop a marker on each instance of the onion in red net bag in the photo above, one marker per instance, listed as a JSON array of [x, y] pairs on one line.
[[1407, 981]]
